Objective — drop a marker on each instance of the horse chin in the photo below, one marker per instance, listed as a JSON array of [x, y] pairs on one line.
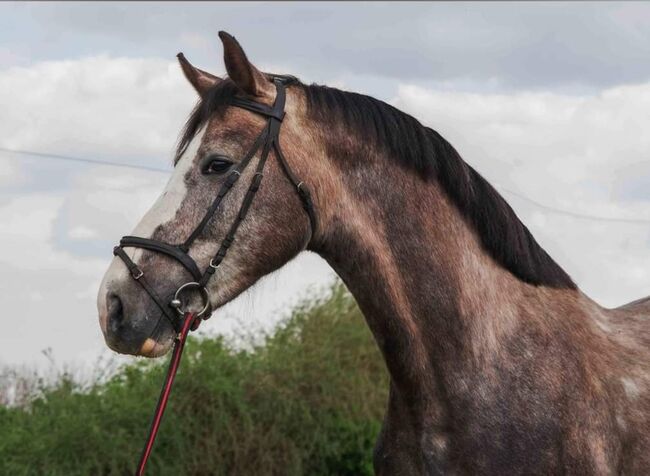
[[152, 348]]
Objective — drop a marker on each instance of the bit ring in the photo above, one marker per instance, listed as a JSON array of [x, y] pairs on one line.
[[176, 302]]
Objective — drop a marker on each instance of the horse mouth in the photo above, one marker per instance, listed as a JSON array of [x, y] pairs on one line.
[[152, 348]]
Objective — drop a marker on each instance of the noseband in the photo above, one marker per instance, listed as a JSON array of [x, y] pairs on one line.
[[268, 139]]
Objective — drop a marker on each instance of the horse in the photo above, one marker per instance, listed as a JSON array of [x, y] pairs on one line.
[[498, 362]]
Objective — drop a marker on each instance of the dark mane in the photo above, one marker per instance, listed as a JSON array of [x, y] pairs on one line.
[[412, 145]]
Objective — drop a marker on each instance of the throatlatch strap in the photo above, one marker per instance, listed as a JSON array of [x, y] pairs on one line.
[[301, 188]]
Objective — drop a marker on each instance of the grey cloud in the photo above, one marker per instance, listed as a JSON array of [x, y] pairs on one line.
[[503, 45]]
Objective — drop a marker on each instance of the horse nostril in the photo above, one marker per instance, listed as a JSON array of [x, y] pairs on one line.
[[115, 310]]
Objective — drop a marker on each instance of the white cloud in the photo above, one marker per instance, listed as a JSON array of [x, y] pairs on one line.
[[95, 107], [10, 174], [81, 232], [27, 235]]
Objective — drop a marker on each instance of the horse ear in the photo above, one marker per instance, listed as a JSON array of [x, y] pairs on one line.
[[201, 80], [241, 71]]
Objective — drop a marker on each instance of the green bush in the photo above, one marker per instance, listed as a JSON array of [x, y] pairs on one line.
[[309, 400]]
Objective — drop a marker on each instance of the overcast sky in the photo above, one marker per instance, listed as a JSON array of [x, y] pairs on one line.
[[550, 101]]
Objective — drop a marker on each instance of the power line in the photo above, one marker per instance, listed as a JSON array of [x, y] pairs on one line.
[[543, 206], [83, 160], [581, 216]]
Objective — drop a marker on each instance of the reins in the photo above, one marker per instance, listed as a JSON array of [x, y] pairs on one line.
[[175, 361]]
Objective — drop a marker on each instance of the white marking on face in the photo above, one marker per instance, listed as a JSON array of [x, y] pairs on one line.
[[170, 201], [162, 211]]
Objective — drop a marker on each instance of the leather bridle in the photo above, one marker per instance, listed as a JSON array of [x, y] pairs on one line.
[[268, 140]]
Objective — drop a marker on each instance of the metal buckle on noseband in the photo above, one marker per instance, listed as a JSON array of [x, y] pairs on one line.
[[176, 302]]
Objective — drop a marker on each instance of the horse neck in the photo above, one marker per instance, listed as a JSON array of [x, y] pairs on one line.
[[433, 298]]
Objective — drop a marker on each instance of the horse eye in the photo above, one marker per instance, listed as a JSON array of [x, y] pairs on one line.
[[215, 164]]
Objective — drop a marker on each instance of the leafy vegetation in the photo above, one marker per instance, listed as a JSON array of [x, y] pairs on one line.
[[308, 400]]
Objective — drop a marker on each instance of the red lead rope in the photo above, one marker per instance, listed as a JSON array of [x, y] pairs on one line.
[[166, 390]]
